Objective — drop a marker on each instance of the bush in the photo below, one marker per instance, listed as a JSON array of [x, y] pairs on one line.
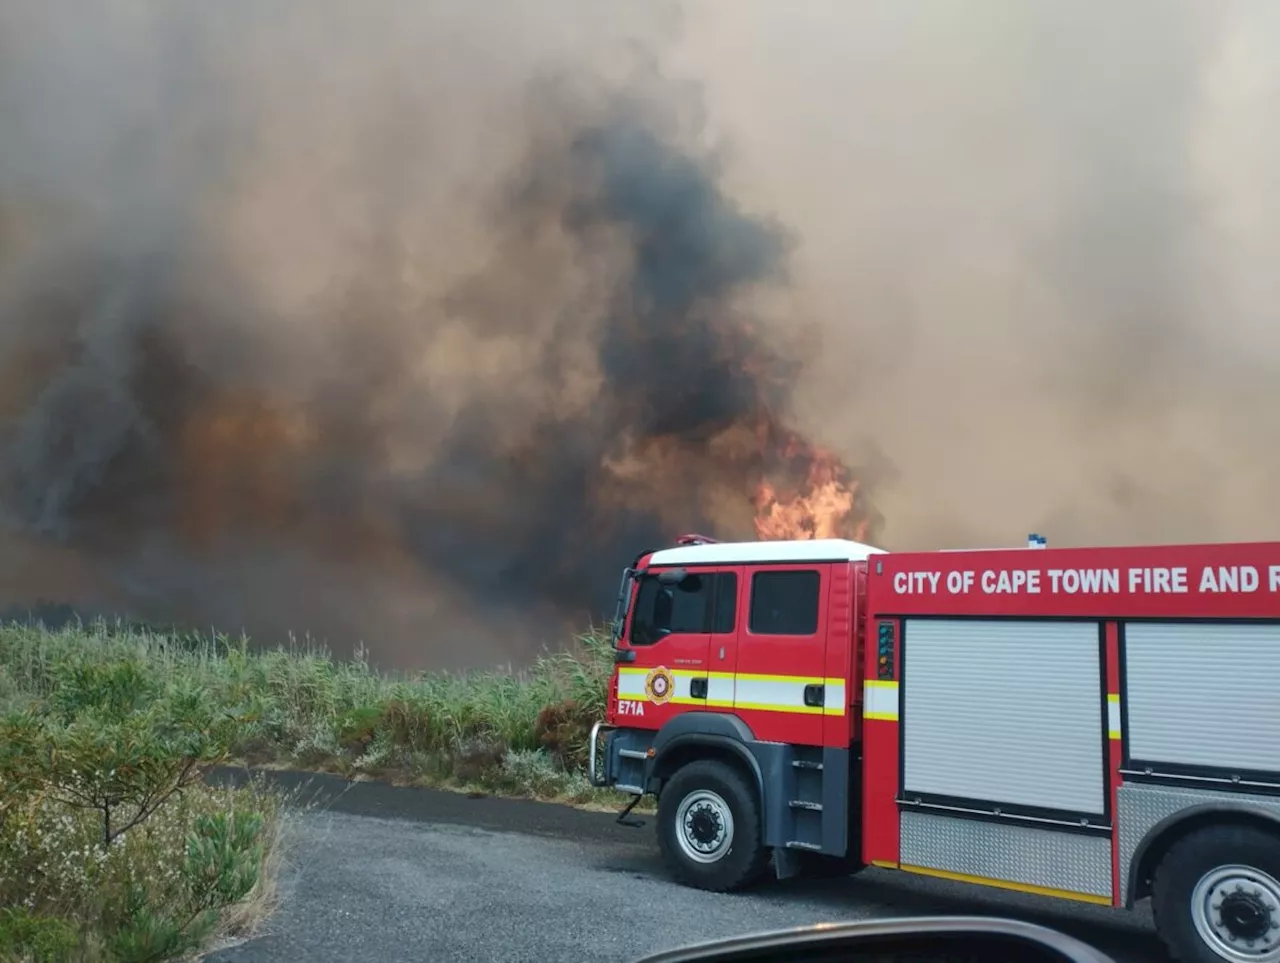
[[111, 846], [38, 939], [194, 868], [301, 708]]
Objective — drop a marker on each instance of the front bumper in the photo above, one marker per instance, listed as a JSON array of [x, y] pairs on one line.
[[619, 758], [598, 775]]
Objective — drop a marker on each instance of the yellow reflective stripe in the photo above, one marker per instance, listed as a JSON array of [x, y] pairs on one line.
[[720, 687], [880, 700], [799, 710], [728, 690], [1113, 715], [745, 676], [1009, 885], [802, 679], [630, 683]]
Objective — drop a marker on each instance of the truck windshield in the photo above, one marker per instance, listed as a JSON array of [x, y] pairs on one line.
[[623, 603], [661, 609]]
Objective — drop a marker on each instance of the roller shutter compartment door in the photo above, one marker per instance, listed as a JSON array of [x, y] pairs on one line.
[[1203, 695], [1004, 711]]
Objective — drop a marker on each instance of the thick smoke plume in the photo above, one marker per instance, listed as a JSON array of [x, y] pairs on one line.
[[282, 354], [1036, 237], [412, 323]]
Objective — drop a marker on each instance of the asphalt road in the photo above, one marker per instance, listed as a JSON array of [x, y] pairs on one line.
[[379, 874]]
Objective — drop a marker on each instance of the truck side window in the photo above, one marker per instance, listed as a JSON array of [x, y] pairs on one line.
[[784, 603], [662, 609], [726, 609]]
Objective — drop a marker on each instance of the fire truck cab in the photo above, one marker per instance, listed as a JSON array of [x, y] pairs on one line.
[[1093, 724]]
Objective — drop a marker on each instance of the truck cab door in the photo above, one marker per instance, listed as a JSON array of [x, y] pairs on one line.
[[781, 688], [670, 633]]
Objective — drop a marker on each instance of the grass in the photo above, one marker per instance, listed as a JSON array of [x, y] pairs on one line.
[[511, 733], [113, 848]]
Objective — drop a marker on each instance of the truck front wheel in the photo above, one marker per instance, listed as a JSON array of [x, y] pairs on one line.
[[1216, 896], [709, 827]]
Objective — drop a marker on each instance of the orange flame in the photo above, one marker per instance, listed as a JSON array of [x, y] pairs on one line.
[[820, 505]]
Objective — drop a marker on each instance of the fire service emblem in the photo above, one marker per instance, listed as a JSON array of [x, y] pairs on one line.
[[658, 685]]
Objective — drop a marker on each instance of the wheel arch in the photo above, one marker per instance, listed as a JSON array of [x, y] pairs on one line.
[[704, 735], [1181, 824]]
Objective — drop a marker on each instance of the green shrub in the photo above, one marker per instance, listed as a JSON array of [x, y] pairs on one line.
[[300, 707], [106, 829], [107, 832], [159, 890], [27, 938]]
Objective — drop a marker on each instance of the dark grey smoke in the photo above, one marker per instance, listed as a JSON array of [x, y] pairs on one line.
[[446, 464], [554, 524]]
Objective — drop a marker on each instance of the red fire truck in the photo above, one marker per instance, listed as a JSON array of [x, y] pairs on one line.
[[1094, 724]]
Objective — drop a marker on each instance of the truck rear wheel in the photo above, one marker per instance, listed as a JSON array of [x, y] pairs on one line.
[[709, 827], [1216, 896]]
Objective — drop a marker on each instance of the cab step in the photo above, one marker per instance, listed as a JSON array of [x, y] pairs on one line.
[[806, 804], [806, 764]]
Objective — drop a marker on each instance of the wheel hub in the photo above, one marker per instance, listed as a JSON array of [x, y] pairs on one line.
[[1236, 910], [704, 826], [1245, 916]]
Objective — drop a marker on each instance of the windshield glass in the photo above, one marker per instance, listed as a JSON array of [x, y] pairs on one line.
[[624, 601]]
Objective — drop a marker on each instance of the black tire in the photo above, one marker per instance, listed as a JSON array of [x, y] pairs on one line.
[[744, 856], [1191, 860]]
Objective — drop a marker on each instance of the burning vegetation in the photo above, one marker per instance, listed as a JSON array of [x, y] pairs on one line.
[[807, 492]]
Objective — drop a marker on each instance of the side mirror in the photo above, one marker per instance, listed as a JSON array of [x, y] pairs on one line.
[[672, 576], [944, 939]]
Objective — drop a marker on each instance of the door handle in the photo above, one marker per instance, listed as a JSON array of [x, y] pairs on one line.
[[698, 688], [815, 695]]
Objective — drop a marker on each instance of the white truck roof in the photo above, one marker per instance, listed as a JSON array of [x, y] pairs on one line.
[[798, 550]]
